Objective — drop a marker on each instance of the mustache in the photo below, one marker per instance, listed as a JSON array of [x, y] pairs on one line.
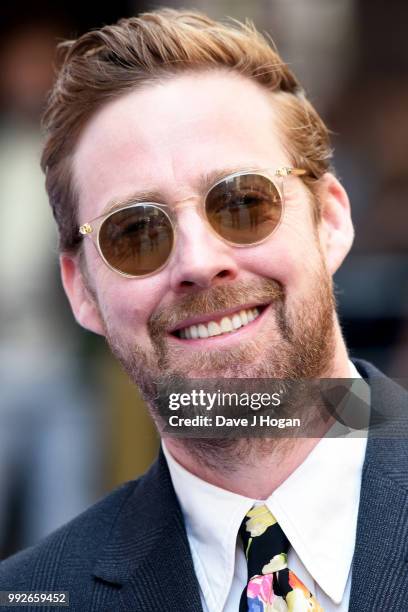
[[228, 296]]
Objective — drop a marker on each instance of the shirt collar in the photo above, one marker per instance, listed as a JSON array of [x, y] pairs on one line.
[[316, 506], [213, 517]]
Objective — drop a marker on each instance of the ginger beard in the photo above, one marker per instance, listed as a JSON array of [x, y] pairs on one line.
[[297, 342]]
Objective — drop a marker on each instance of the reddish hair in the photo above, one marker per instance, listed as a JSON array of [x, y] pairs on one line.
[[103, 64]]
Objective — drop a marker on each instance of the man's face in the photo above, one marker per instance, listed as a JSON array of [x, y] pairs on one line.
[[166, 138]]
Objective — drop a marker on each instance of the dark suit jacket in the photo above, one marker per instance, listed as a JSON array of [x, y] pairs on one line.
[[130, 551]]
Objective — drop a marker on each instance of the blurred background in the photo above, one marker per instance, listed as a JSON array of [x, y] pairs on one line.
[[71, 425]]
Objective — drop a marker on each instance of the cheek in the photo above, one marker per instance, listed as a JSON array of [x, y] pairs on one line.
[[290, 256], [125, 304]]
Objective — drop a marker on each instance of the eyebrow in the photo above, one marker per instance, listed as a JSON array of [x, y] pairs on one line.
[[205, 182]]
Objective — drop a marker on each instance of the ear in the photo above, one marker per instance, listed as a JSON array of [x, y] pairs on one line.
[[336, 230], [82, 303]]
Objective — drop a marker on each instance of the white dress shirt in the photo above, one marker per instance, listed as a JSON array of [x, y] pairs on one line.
[[316, 506]]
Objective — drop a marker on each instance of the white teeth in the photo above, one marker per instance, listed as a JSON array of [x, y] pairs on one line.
[[214, 328], [226, 324], [202, 331], [236, 321], [244, 317]]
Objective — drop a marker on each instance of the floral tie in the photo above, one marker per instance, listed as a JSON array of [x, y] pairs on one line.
[[272, 587]]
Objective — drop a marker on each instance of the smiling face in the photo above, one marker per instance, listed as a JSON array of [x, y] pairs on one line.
[[214, 309]]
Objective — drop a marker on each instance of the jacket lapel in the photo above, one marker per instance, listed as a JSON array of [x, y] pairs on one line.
[[148, 555], [380, 564]]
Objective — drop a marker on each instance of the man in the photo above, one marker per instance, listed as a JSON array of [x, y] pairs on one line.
[[200, 226]]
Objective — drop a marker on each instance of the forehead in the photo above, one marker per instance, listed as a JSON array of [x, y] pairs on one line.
[[164, 137]]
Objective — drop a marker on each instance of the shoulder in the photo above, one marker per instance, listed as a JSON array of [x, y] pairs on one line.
[[387, 447], [94, 555], [69, 553], [386, 392]]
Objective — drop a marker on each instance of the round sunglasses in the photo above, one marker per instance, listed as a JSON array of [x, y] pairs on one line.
[[243, 209]]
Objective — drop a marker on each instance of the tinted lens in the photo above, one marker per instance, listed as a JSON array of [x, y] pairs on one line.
[[137, 240], [244, 209]]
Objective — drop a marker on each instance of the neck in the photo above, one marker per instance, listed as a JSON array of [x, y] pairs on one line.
[[261, 465], [254, 479]]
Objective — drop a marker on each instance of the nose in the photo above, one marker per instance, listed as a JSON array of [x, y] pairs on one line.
[[201, 259]]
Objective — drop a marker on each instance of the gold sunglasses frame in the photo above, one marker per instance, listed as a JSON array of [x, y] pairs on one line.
[[92, 228]]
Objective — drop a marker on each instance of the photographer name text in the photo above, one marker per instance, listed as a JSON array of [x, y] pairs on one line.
[[257, 420]]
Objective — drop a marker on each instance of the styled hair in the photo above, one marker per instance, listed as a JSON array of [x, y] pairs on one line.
[[106, 63]]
